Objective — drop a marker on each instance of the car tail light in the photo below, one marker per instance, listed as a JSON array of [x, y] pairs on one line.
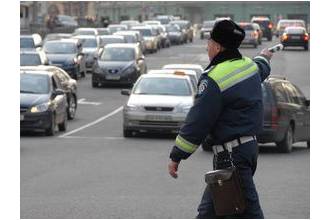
[[306, 37], [275, 117], [285, 37]]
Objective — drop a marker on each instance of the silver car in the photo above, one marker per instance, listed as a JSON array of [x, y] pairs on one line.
[[158, 103]]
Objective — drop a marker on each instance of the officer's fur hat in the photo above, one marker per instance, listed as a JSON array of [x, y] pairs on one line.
[[228, 34]]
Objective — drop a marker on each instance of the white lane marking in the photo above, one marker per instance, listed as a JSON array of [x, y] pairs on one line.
[[93, 123], [83, 102], [108, 138]]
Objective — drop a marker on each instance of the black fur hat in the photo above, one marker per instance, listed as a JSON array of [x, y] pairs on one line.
[[228, 34]]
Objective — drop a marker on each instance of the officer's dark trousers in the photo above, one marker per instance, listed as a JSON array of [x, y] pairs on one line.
[[245, 159]]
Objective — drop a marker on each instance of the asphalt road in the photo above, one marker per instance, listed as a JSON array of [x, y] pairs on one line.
[[91, 171]]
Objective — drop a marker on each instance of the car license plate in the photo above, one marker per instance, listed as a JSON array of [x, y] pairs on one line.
[[111, 77], [158, 118], [22, 117], [295, 37]]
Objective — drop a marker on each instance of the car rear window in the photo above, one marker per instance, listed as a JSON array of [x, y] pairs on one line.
[[163, 86], [295, 31], [27, 43]]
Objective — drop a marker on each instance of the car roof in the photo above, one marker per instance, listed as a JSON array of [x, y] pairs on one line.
[[29, 52], [66, 40], [40, 68], [162, 75], [30, 70], [84, 37], [183, 65], [263, 18], [112, 36], [172, 71], [122, 45]]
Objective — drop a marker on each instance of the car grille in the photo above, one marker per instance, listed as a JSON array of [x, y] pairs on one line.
[[160, 109], [23, 110], [159, 123], [113, 71]]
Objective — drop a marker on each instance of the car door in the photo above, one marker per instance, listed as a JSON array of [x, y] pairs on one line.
[[59, 101], [306, 114], [298, 110]]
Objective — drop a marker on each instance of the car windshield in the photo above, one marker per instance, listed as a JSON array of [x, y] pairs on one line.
[[27, 42], [247, 27], [208, 24], [145, 32], [60, 47], [89, 43], [105, 41], [295, 31], [30, 60], [163, 86], [34, 83], [118, 54], [84, 32], [172, 28]]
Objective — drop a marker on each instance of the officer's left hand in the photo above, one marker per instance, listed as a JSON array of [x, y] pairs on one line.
[[173, 168]]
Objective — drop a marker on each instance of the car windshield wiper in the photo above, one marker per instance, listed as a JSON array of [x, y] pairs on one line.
[[26, 91]]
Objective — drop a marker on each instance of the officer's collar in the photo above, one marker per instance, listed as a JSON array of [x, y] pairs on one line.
[[224, 56]]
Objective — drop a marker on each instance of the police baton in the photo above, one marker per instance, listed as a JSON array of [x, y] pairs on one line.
[[276, 48]]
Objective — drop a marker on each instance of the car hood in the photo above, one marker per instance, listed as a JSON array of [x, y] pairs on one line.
[[115, 64], [28, 100], [160, 100], [60, 57]]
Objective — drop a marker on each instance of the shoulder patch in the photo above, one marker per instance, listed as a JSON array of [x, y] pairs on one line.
[[202, 86]]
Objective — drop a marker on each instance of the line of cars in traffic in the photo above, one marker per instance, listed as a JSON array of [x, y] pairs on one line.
[[292, 32], [50, 67]]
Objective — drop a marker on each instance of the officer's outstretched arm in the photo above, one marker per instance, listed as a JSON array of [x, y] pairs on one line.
[[263, 63], [199, 121]]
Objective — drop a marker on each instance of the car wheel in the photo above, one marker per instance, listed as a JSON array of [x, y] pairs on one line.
[[51, 130], [308, 144], [94, 84], [285, 146], [62, 126], [72, 107], [127, 133]]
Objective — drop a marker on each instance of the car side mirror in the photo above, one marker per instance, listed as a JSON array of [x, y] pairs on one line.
[[125, 92], [307, 103], [57, 92]]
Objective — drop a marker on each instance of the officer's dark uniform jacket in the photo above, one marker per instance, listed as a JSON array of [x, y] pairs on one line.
[[228, 104]]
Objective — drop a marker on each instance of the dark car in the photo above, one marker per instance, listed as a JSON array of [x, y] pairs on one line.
[[266, 26], [251, 34], [30, 42], [206, 29], [43, 102], [33, 58], [91, 46], [174, 33], [119, 64], [66, 54], [295, 36], [68, 84], [186, 29], [286, 114]]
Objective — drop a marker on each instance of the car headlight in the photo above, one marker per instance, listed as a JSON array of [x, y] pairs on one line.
[[134, 108], [183, 108], [130, 70], [40, 108]]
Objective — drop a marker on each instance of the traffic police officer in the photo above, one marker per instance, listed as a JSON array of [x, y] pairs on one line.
[[228, 107]]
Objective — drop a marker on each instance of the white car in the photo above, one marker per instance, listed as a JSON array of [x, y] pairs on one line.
[[157, 103], [195, 67], [190, 73]]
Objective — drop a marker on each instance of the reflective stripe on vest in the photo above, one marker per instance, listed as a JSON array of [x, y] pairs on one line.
[[185, 145], [230, 73]]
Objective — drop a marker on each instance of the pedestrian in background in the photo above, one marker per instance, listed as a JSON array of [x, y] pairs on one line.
[[228, 107]]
